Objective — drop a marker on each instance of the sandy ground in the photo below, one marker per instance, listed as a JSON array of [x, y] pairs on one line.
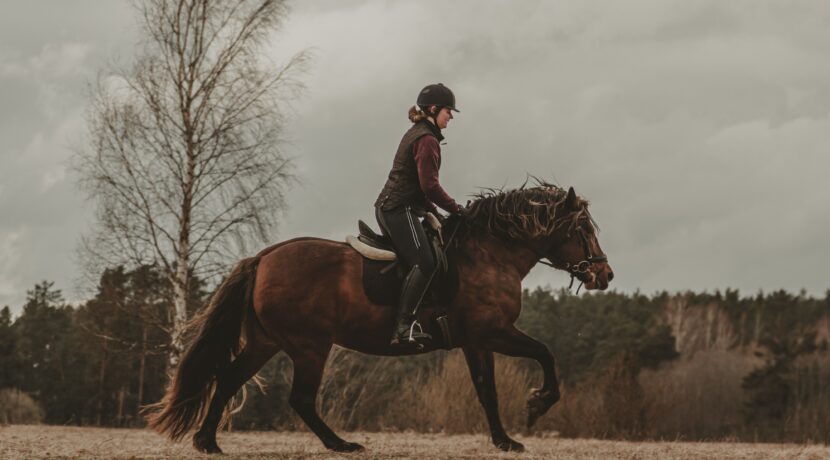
[[28, 441]]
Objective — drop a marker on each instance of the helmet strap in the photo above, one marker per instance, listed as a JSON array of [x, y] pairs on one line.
[[433, 114]]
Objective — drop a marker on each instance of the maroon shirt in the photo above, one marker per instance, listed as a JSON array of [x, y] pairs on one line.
[[428, 160]]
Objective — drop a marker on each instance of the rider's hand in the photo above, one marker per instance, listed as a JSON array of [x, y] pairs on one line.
[[464, 211]]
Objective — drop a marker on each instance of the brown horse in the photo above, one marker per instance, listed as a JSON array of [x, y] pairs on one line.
[[304, 295]]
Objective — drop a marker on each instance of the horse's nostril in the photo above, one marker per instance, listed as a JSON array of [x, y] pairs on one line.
[[610, 275]]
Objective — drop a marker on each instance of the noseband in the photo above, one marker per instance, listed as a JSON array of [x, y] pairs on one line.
[[581, 267]]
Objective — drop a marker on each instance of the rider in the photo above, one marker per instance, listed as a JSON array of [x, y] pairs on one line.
[[411, 190]]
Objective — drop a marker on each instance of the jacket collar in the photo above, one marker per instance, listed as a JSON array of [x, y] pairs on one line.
[[436, 131]]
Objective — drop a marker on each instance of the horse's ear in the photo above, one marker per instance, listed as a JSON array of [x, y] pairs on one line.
[[570, 201]]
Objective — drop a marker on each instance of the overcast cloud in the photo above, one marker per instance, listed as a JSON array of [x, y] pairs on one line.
[[698, 130]]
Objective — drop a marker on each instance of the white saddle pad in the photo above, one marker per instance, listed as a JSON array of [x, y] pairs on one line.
[[368, 251]]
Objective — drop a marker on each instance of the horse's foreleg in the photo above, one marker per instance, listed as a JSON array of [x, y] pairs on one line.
[[482, 371], [245, 366], [308, 371], [514, 342]]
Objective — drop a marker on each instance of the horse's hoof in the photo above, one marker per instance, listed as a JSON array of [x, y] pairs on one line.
[[539, 403], [206, 444], [347, 447], [509, 445]]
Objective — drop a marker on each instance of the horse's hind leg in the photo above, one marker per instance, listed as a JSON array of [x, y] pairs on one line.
[[245, 366], [309, 361]]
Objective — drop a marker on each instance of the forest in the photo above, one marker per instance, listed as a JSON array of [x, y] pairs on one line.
[[697, 366]]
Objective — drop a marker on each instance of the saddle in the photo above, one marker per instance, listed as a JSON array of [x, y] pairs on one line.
[[374, 246], [383, 275]]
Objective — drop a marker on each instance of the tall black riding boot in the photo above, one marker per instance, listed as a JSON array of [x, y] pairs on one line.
[[407, 330]]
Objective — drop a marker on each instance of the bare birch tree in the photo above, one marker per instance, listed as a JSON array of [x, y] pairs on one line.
[[184, 157]]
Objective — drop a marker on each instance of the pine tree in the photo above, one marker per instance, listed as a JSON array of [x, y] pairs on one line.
[[9, 364]]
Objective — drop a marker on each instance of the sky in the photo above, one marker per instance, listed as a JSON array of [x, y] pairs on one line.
[[699, 131]]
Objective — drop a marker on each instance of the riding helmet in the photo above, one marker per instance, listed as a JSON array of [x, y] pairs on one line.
[[438, 95]]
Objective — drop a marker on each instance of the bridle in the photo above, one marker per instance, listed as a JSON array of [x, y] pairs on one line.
[[583, 266]]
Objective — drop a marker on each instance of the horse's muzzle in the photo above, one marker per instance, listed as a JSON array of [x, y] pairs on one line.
[[599, 277]]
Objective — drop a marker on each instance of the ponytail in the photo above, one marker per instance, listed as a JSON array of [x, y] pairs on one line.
[[416, 114]]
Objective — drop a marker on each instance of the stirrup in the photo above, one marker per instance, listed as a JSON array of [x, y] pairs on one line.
[[418, 338], [421, 333]]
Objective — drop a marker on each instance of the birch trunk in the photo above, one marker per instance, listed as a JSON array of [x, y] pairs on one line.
[[142, 366]]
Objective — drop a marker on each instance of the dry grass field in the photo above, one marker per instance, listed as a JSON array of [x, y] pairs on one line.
[[22, 441]]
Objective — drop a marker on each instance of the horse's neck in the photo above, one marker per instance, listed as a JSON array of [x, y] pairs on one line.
[[519, 255]]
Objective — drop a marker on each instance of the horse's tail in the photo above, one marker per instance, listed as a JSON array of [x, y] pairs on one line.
[[217, 341]]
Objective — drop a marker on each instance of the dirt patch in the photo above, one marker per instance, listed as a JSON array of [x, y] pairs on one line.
[[30, 441]]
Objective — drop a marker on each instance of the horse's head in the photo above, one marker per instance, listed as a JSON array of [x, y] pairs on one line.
[[574, 247], [551, 222]]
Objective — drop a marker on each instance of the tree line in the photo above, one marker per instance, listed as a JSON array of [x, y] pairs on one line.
[[97, 363]]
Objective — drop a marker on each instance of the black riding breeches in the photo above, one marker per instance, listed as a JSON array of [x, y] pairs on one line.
[[412, 246]]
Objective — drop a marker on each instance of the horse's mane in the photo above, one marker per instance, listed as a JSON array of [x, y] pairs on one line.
[[524, 212]]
